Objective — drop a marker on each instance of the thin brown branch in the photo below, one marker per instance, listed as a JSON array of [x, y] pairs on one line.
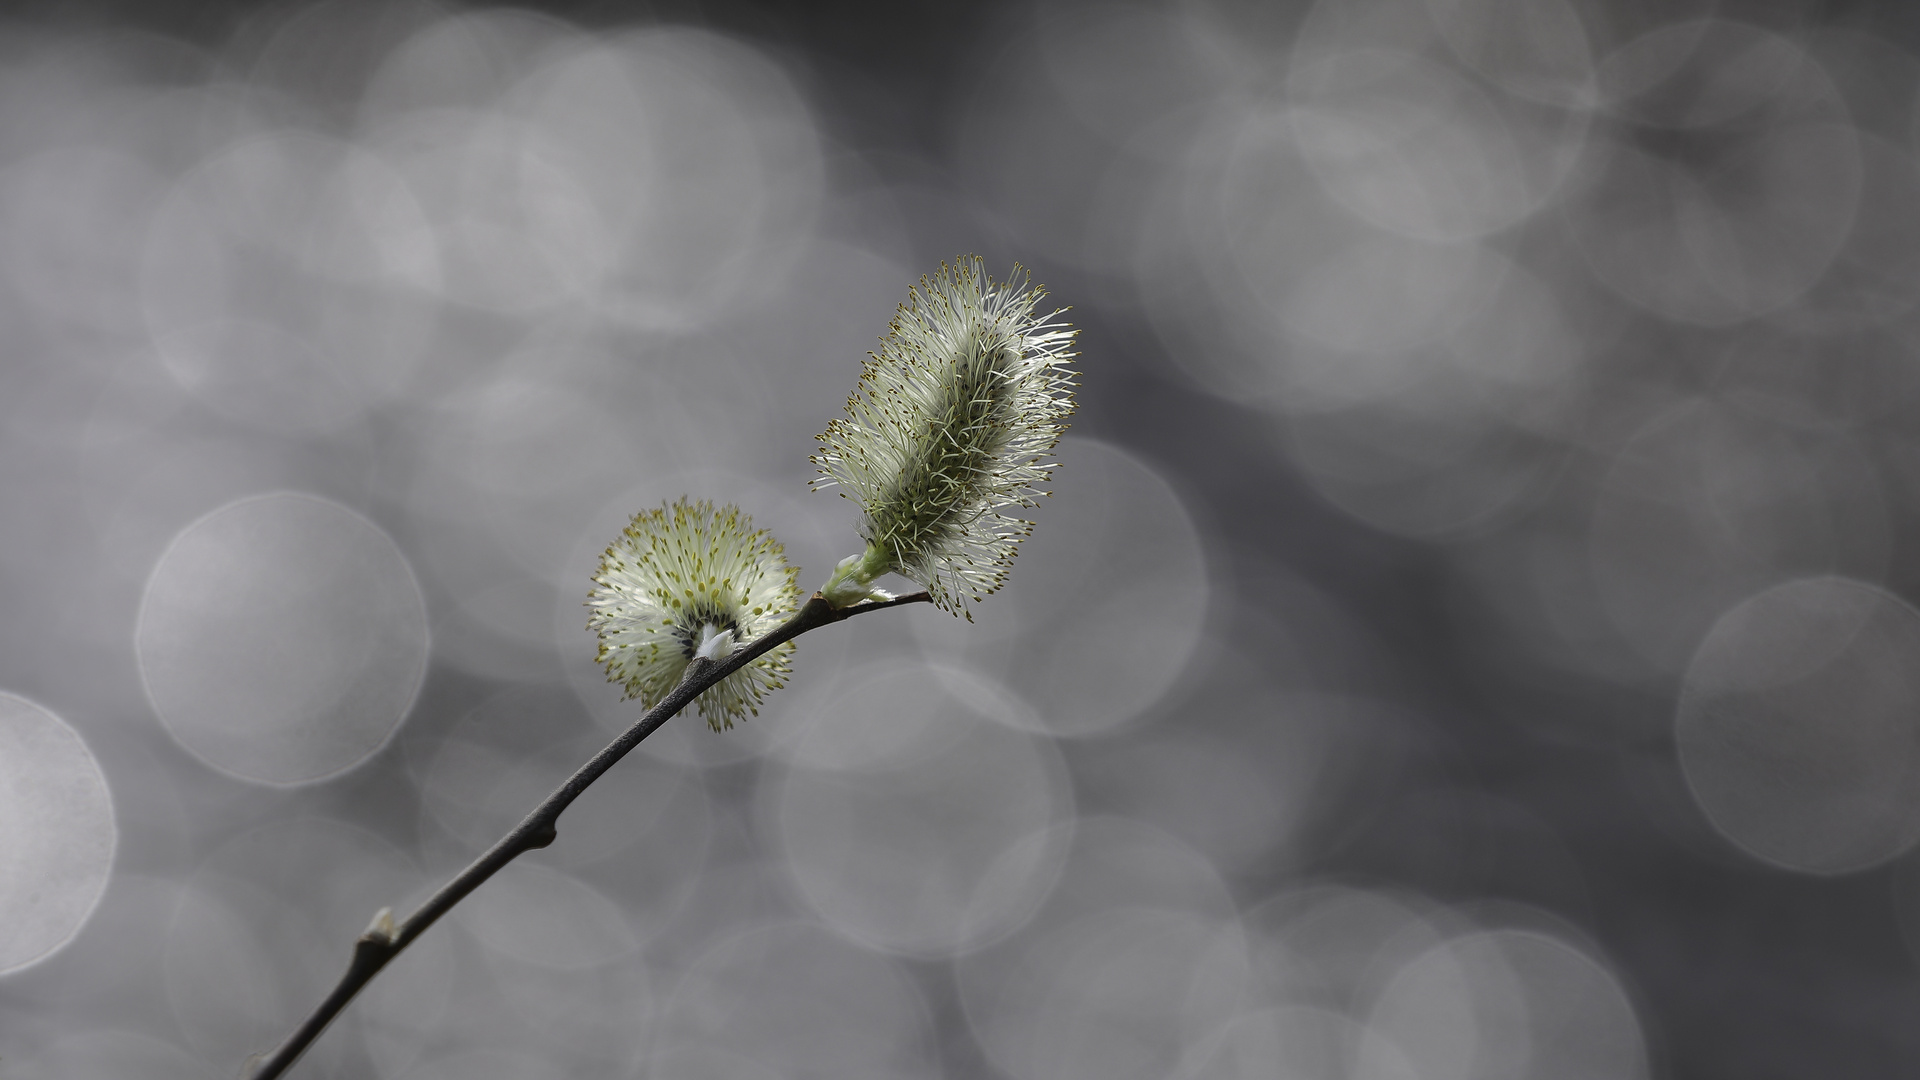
[[380, 944]]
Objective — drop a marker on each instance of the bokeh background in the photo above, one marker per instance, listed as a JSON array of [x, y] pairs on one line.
[[1470, 639]]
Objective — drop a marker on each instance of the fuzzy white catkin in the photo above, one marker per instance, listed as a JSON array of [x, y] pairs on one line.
[[949, 429], [686, 580]]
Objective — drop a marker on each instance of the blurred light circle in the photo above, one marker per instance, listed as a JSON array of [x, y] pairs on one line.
[[1117, 994], [1294, 1041], [652, 177], [590, 1021], [1905, 892], [1705, 72], [1503, 1005], [1120, 67], [461, 60], [286, 282], [1874, 74], [915, 824], [1268, 294], [1237, 233], [1798, 726], [1135, 955], [1758, 206], [258, 934], [479, 1065], [1704, 506], [321, 54], [1534, 591], [504, 470], [1850, 379], [1535, 49], [542, 916], [1444, 839], [57, 833], [1581, 1022], [1875, 277], [527, 438], [1747, 238], [795, 998], [1255, 780], [509, 754], [709, 1062], [1443, 434], [889, 714], [1415, 148], [514, 232], [113, 969], [68, 214], [512, 455], [1416, 469], [598, 1021], [700, 155], [729, 895], [1333, 946], [149, 461], [1071, 117], [1246, 38], [282, 638], [1106, 603], [1120, 862], [1333, 27], [1376, 300], [97, 1054], [1228, 797], [791, 359]]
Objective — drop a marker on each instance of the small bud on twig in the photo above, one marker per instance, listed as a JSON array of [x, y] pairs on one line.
[[380, 931]]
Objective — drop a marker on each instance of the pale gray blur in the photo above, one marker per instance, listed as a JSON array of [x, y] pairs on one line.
[[1471, 636]]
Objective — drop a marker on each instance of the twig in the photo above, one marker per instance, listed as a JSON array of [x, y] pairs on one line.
[[384, 940]]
